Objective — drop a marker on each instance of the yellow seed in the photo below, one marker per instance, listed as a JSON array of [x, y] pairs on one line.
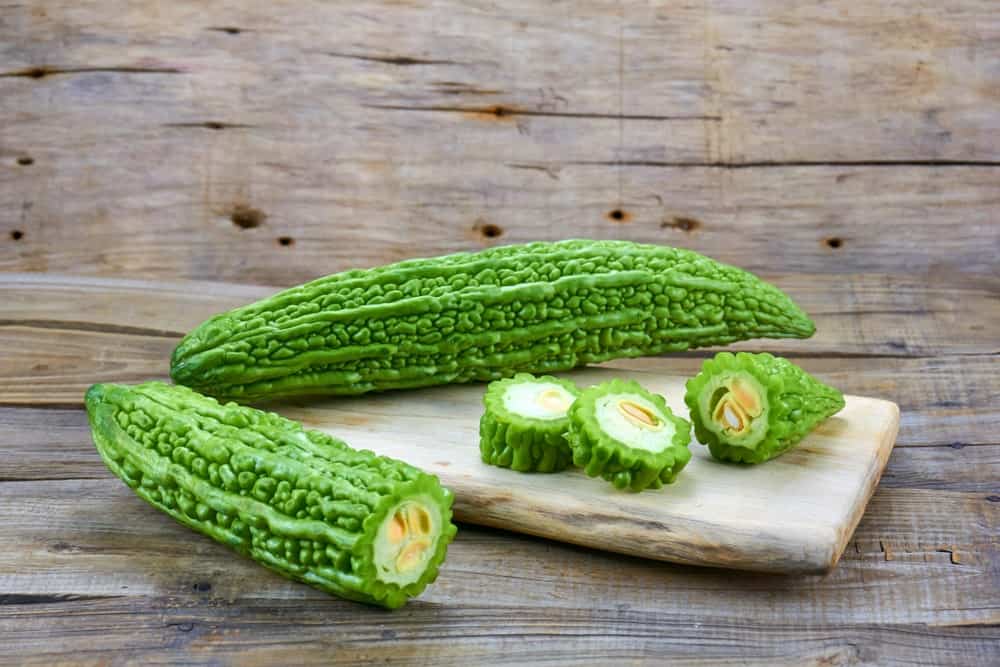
[[397, 529], [553, 400], [410, 556], [639, 414], [419, 520], [730, 416], [746, 397]]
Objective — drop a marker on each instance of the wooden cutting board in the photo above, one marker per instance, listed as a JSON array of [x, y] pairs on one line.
[[793, 514]]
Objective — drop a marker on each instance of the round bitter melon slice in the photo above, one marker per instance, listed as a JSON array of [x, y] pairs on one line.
[[750, 408], [525, 422], [627, 435]]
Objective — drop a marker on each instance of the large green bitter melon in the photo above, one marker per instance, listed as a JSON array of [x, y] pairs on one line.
[[536, 308], [750, 408], [360, 526]]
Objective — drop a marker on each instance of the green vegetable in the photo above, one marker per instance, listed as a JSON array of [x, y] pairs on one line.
[[524, 425], [299, 502], [628, 436], [752, 407], [539, 308]]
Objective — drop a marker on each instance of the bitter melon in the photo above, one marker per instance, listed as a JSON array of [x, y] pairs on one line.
[[752, 407], [360, 526], [525, 422], [538, 308], [628, 435]]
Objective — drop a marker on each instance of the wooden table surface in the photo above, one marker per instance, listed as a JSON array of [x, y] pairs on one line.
[[848, 151]]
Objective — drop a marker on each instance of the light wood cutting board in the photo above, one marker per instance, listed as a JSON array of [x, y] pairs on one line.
[[793, 514]]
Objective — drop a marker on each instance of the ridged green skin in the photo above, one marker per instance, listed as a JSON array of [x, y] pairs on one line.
[[624, 466], [539, 308], [510, 440], [796, 403], [296, 501]]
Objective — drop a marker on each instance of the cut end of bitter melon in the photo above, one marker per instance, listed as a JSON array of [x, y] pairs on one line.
[[750, 408], [734, 406], [628, 435], [524, 423], [530, 398], [406, 540]]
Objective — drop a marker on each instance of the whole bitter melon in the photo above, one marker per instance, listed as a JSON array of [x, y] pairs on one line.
[[537, 308], [525, 421], [750, 408], [627, 435], [360, 526]]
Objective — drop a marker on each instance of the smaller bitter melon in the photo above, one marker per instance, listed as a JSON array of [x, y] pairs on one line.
[[750, 408], [525, 422], [628, 435], [302, 503]]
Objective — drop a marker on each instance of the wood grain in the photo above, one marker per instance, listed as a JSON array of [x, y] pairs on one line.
[[848, 151], [280, 151], [104, 555], [101, 540], [208, 631]]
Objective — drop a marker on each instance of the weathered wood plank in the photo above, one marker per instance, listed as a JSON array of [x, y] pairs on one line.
[[98, 539], [49, 367], [47, 444], [175, 219], [174, 631], [421, 137], [773, 78], [844, 80], [948, 468]]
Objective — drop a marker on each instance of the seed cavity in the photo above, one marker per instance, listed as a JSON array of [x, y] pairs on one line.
[[410, 532], [639, 415], [735, 405], [730, 416]]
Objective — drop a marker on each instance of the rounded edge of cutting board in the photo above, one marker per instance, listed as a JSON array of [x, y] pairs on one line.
[[887, 440]]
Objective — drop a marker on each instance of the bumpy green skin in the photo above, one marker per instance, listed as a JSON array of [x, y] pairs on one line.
[[510, 440], [299, 502], [539, 308], [796, 403], [624, 466]]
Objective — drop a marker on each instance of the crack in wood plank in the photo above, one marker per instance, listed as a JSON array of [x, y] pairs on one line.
[[44, 70], [501, 111], [49, 598], [551, 171], [401, 61], [211, 125]]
